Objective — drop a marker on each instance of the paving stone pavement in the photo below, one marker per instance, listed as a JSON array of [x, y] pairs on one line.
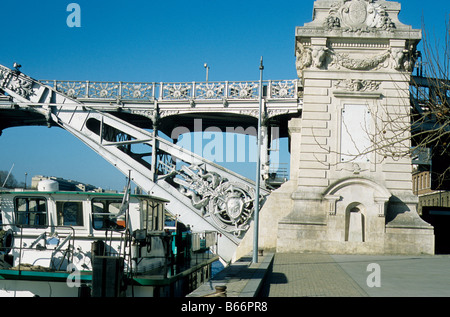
[[323, 275], [303, 275]]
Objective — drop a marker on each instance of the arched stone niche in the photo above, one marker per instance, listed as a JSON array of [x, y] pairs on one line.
[[355, 222], [357, 207]]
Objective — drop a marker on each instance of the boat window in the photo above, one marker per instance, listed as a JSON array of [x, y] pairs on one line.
[[146, 215], [31, 212], [152, 213], [106, 214], [70, 213], [160, 216]]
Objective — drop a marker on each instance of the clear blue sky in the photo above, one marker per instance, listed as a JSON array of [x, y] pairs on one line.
[[142, 40]]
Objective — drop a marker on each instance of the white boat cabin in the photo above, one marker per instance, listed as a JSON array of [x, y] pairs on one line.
[[52, 229]]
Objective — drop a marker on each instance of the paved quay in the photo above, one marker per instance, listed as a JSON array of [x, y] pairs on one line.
[[241, 279], [325, 275], [300, 275]]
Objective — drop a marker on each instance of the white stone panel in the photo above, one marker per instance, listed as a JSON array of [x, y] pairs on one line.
[[355, 128]]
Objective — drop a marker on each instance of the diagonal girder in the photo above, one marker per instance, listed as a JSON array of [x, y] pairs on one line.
[[201, 193]]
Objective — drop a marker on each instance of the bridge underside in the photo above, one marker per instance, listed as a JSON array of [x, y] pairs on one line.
[[13, 118]]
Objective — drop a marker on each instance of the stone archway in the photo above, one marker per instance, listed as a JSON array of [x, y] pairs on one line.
[[359, 189]]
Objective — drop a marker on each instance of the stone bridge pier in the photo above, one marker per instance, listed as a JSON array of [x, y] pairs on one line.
[[350, 188]]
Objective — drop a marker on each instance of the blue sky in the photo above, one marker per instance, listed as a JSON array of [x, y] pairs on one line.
[[151, 41]]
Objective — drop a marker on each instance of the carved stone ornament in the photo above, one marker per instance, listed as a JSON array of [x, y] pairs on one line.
[[358, 85], [373, 63], [403, 59], [303, 58], [324, 58], [310, 57], [229, 204], [327, 58], [358, 16]]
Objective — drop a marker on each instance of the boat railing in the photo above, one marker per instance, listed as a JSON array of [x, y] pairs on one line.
[[59, 240], [62, 237], [111, 235]]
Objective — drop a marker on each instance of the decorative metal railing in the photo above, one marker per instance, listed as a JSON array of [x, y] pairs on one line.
[[243, 90]]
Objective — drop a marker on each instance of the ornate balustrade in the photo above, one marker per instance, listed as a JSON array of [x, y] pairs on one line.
[[242, 90]]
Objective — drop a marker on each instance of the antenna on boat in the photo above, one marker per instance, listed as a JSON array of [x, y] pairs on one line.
[[126, 200], [4, 183], [125, 207]]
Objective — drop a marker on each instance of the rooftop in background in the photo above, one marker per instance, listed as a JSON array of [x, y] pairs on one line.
[[68, 184]]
